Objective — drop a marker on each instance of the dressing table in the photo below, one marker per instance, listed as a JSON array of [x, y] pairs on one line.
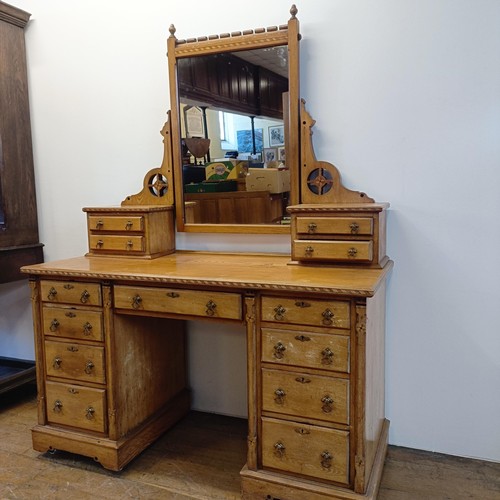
[[110, 325]]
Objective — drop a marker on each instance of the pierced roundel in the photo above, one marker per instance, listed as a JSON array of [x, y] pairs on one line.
[[320, 181], [158, 185]]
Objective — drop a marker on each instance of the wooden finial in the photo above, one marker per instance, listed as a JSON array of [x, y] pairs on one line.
[[172, 30], [293, 11]]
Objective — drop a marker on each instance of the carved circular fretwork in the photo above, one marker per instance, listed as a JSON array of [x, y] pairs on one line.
[[320, 181], [158, 185]]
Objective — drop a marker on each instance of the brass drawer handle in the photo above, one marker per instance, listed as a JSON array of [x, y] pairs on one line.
[[328, 317], [352, 252], [99, 224], [99, 244], [279, 351], [128, 225], [327, 404], [279, 449], [354, 228], [137, 301], [87, 328], [130, 245], [89, 413], [57, 406], [89, 366], [52, 293], [210, 308], [326, 356], [54, 325], [326, 460], [84, 297], [173, 295], [56, 364], [280, 313], [280, 396], [302, 338], [309, 250], [311, 228]]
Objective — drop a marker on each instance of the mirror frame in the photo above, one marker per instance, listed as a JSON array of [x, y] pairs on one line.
[[287, 34]]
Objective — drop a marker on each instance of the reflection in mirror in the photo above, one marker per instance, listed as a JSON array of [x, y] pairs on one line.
[[234, 168]]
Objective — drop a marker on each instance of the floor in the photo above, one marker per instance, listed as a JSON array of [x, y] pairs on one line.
[[200, 458]]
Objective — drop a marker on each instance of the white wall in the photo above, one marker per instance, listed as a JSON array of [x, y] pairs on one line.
[[407, 102]]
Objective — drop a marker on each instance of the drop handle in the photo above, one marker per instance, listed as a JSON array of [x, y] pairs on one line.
[[137, 301], [279, 449], [352, 252], [279, 351], [279, 311], [54, 325], [326, 460], [89, 413], [327, 404], [57, 406], [354, 227], [326, 356], [311, 227], [87, 329], [52, 293], [128, 225], [84, 297], [210, 308], [89, 366], [56, 364], [279, 396], [328, 317], [309, 250]]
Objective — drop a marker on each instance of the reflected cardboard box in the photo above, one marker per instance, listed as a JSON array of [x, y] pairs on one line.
[[273, 180]]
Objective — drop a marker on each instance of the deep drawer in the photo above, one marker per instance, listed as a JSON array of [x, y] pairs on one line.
[[306, 449], [116, 243], [76, 406], [72, 323], [344, 251], [329, 313], [306, 349], [305, 395], [175, 301], [74, 361], [115, 223], [71, 292], [335, 225]]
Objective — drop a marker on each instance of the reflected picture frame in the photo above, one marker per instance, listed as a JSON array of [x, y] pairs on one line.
[[270, 154], [277, 136]]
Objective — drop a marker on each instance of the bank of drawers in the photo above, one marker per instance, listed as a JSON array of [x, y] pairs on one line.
[[74, 354], [305, 387], [339, 235], [146, 232], [201, 303]]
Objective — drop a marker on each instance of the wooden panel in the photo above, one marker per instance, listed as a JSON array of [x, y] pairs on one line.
[[305, 348], [76, 406], [115, 223], [177, 301], [346, 251], [71, 292], [335, 225], [305, 449], [123, 244], [306, 395], [74, 361], [329, 313], [73, 323]]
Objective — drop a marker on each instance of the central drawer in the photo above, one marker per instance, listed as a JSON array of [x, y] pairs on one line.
[[305, 395], [304, 449], [74, 361], [76, 406], [175, 301]]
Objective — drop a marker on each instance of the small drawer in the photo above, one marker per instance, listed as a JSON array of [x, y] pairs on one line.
[[116, 243], [74, 361], [76, 406], [329, 313], [72, 323], [335, 225], [175, 301], [71, 292], [341, 251], [309, 450], [306, 349], [305, 395], [115, 223]]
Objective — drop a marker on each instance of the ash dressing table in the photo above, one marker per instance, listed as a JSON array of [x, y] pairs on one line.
[[110, 325]]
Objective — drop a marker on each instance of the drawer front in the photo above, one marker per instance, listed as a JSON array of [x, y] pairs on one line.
[[305, 395], [335, 225], [72, 323], [71, 292], [306, 449], [329, 313], [310, 350], [175, 301], [76, 406], [116, 243], [74, 361], [345, 251], [115, 223]]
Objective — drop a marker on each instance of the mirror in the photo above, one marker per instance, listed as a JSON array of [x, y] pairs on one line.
[[235, 129]]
